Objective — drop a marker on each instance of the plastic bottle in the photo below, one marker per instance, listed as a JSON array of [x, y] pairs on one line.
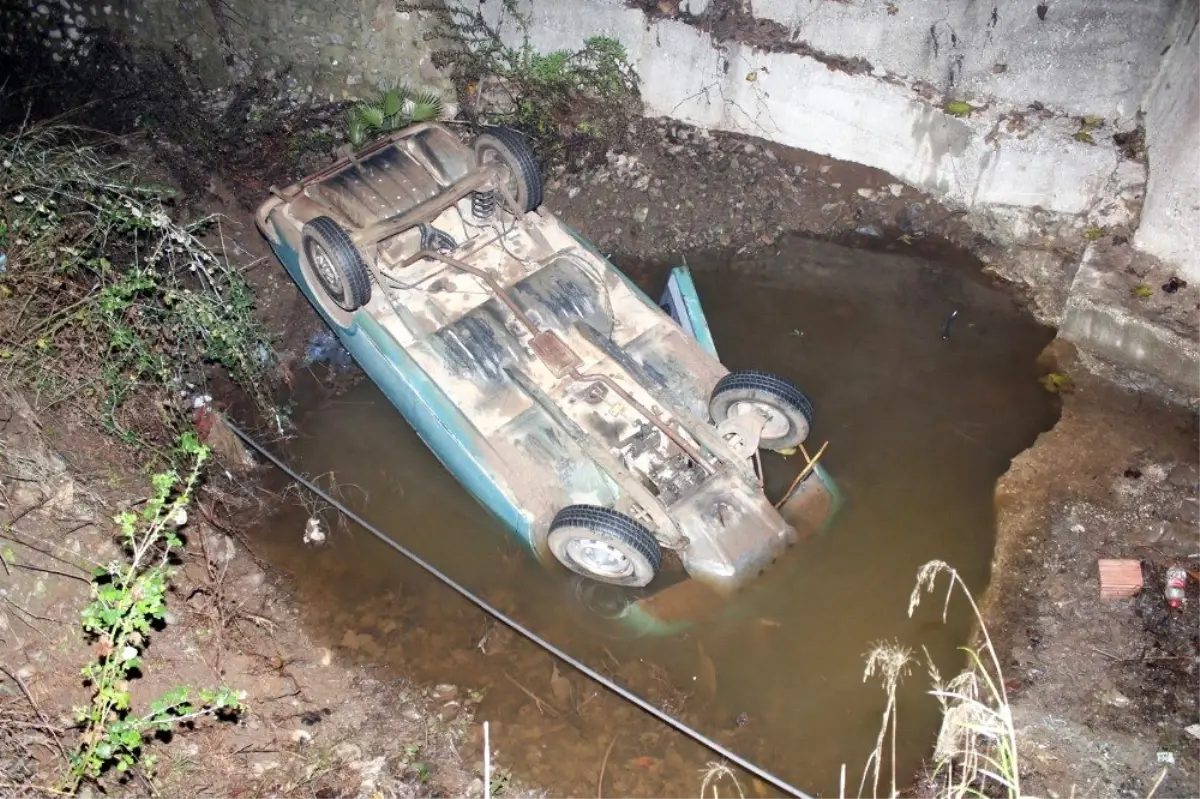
[[1176, 586]]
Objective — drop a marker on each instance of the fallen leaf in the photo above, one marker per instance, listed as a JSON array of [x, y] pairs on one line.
[[645, 761]]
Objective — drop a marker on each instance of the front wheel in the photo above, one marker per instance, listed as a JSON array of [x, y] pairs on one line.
[[605, 545], [788, 412]]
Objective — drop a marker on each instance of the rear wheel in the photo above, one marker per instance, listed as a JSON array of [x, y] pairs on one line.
[[336, 263], [605, 545], [788, 412], [508, 148]]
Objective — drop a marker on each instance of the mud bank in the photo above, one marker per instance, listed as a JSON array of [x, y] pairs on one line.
[[1102, 691], [309, 730]]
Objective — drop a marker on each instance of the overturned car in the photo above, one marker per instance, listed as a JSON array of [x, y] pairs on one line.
[[602, 431]]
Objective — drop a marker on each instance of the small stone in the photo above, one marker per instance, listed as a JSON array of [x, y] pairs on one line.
[[825, 168], [1115, 698], [872, 231], [749, 149], [1185, 475], [641, 215], [410, 713], [301, 736], [866, 194], [347, 752], [896, 189], [1188, 511], [445, 692], [573, 192]]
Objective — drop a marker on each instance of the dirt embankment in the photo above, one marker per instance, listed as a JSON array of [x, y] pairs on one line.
[[1104, 693]]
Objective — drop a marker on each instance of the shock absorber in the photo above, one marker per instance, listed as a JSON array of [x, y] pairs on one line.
[[483, 204]]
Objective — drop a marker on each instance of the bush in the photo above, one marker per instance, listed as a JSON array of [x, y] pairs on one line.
[[105, 297], [568, 102]]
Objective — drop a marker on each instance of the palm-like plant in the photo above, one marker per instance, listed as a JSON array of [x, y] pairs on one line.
[[395, 109]]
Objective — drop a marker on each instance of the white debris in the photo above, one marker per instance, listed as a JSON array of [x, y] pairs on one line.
[[314, 532]]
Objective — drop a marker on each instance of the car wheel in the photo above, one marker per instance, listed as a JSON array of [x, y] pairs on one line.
[[507, 147], [605, 545], [789, 413], [336, 263]]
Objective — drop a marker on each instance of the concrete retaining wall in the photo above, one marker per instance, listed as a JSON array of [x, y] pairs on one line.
[[1171, 216], [1083, 57], [1001, 161]]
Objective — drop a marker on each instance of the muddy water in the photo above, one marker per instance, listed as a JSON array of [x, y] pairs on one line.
[[919, 428]]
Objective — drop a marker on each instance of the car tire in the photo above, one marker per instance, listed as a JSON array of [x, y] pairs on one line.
[[336, 263], [509, 148], [790, 413], [604, 545]]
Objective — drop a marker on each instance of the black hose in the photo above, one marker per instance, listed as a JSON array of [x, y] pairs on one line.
[[698, 737]]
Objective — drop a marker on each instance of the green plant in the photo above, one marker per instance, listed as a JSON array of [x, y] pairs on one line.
[[566, 101], [106, 297], [501, 777], [127, 597], [1141, 291], [395, 109], [959, 108]]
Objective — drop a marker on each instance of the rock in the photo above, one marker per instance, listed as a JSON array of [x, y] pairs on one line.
[[445, 692], [641, 215], [573, 192], [410, 713], [1188, 511], [1185, 475], [896, 189], [908, 218], [301, 736], [871, 230], [347, 752], [866, 194]]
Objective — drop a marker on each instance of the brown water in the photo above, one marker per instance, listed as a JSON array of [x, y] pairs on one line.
[[919, 430]]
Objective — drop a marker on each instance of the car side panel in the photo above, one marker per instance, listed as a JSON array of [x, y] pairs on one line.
[[435, 418]]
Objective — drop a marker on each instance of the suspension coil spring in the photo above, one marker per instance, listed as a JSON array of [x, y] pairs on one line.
[[483, 204]]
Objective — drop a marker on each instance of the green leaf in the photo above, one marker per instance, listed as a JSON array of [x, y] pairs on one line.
[[371, 116], [958, 108], [392, 102], [426, 105], [356, 132]]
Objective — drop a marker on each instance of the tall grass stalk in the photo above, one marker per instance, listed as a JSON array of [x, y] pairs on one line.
[[977, 743], [891, 662]]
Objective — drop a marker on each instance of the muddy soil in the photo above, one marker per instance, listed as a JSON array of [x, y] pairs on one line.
[[1103, 692], [317, 723]]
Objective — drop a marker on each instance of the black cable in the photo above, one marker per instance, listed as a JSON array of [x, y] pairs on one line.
[[698, 737]]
